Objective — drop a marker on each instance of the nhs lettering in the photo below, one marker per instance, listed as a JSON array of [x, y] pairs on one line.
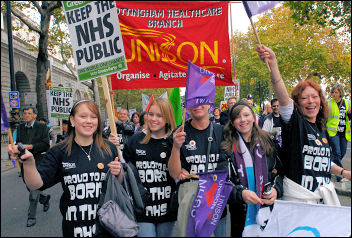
[[157, 54]]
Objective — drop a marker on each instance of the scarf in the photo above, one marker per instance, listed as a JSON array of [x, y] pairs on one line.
[[247, 175]]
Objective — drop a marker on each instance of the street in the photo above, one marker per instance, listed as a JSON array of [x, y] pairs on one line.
[[14, 205]]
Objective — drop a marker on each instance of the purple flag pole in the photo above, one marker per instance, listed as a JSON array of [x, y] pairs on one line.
[[209, 203], [255, 7]]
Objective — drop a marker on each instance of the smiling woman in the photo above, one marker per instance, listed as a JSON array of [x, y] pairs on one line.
[[80, 162], [303, 133]]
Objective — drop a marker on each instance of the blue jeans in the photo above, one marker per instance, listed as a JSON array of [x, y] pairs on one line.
[[220, 230], [339, 149], [163, 229]]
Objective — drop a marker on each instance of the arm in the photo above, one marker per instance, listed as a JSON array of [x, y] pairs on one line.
[[277, 82], [31, 175], [174, 163], [337, 170]]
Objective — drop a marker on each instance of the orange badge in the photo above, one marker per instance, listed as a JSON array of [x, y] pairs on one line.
[[100, 165], [324, 140]]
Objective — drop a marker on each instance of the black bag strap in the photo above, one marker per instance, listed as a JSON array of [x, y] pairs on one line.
[[210, 139]]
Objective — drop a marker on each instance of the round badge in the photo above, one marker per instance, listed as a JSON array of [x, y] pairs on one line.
[[325, 140], [215, 177], [318, 142], [192, 143], [100, 165], [163, 155]]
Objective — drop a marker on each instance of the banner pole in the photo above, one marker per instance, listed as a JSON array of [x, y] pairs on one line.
[[112, 96], [256, 36], [232, 46], [13, 144], [183, 119], [61, 129], [110, 112]]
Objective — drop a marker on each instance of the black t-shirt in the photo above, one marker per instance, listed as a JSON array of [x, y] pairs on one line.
[[151, 162], [81, 182], [194, 149], [305, 153]]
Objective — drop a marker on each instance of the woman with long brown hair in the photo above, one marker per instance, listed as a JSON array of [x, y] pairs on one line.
[[253, 166], [80, 163]]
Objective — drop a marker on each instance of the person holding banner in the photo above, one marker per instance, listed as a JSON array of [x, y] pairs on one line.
[[306, 153], [188, 157], [149, 152], [253, 164], [80, 163]]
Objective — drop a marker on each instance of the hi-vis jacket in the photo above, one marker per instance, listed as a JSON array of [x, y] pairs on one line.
[[333, 120]]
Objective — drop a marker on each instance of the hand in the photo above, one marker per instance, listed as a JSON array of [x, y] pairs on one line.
[[115, 166], [14, 152], [183, 175], [269, 199], [28, 147], [346, 174], [251, 197], [114, 139], [266, 53], [179, 137]]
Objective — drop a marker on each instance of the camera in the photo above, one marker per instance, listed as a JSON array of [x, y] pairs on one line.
[[267, 189], [22, 150]]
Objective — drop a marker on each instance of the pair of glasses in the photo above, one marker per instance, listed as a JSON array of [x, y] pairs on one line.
[[275, 106]]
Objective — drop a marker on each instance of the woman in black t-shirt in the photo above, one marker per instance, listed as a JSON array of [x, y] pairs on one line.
[[80, 163], [149, 152], [306, 154]]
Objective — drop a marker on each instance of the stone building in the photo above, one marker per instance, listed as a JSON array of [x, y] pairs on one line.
[[25, 69]]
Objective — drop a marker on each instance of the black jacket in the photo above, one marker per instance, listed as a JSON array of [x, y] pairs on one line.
[[224, 117], [238, 208], [39, 138]]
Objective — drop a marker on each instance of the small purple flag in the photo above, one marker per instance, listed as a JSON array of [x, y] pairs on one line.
[[4, 122], [209, 203], [255, 7], [200, 87]]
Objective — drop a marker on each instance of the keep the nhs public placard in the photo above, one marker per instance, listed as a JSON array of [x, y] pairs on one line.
[[95, 37]]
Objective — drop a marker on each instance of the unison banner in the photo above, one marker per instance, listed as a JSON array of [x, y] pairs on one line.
[[160, 37]]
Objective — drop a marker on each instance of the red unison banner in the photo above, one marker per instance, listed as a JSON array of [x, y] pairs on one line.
[[160, 37]]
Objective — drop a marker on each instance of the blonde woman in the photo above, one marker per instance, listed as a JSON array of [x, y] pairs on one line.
[[338, 125], [149, 152]]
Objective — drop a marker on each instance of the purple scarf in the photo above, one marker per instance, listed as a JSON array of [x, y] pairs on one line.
[[245, 160]]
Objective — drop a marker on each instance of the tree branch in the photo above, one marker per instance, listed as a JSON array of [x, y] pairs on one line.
[[25, 21], [36, 4], [53, 5]]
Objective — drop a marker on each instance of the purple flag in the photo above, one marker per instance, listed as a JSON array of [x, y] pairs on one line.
[[200, 87], [209, 203], [255, 7], [4, 122]]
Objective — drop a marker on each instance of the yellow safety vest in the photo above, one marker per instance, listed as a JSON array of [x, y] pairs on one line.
[[333, 119]]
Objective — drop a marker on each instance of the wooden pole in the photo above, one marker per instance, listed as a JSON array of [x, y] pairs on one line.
[[256, 36], [110, 111], [61, 129], [13, 144], [183, 118]]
